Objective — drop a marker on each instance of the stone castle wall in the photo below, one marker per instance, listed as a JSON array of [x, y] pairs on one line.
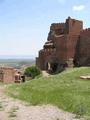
[[9, 75], [83, 51], [66, 42]]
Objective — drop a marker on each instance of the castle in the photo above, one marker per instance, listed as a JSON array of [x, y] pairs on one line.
[[68, 45]]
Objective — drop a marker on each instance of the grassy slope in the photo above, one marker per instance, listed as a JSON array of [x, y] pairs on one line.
[[66, 90]]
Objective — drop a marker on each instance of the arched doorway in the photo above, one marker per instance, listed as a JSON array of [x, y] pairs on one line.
[[54, 67]]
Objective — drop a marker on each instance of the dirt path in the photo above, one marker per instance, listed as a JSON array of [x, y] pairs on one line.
[[45, 74], [11, 109]]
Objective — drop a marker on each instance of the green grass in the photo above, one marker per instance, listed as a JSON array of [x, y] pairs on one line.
[[66, 91]]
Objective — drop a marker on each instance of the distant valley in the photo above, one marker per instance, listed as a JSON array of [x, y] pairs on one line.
[[18, 63]]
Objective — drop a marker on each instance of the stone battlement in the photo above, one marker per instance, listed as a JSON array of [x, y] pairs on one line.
[[86, 30]]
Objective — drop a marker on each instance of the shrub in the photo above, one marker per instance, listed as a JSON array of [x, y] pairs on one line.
[[32, 71]]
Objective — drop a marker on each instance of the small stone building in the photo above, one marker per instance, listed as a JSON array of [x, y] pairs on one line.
[[67, 45], [9, 75]]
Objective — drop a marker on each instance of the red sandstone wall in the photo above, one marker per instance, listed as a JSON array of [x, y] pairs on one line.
[[71, 46], [65, 47], [73, 27], [40, 60], [56, 26], [9, 75], [60, 43], [84, 48]]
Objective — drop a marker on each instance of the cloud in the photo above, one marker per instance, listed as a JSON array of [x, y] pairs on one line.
[[78, 7]]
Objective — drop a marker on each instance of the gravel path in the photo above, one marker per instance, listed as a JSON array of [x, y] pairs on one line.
[[11, 109], [45, 74]]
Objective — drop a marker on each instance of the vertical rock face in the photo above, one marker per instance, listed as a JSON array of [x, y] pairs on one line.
[[64, 46]]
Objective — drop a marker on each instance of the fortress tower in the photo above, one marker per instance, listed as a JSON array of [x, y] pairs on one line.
[[64, 47]]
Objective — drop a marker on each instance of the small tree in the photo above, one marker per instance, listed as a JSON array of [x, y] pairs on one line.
[[32, 71]]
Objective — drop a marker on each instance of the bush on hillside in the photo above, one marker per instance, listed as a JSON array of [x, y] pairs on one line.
[[32, 71]]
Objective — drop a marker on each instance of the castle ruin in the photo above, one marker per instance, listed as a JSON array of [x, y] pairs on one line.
[[10, 75], [68, 45]]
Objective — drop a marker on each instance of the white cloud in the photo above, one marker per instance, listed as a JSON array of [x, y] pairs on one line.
[[78, 7]]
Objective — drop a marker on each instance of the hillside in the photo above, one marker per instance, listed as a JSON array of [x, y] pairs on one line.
[[65, 90]]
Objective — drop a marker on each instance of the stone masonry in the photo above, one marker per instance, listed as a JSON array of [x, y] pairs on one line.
[[67, 45], [9, 75]]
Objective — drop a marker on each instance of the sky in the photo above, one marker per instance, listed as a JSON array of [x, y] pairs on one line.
[[24, 24]]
